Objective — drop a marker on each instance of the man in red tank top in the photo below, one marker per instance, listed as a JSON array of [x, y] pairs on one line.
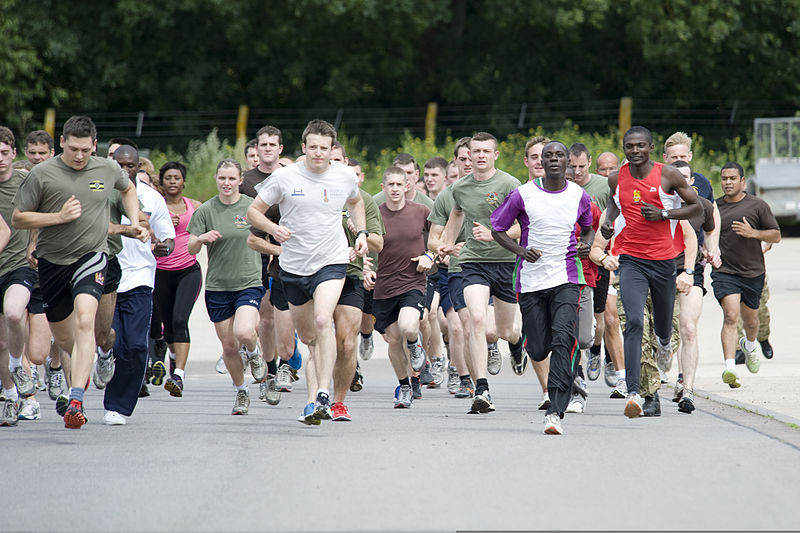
[[644, 217]]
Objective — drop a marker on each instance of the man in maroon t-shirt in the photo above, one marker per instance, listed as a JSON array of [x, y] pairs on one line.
[[399, 295]]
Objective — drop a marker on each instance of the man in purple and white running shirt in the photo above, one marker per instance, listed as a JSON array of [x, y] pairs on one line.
[[549, 270]]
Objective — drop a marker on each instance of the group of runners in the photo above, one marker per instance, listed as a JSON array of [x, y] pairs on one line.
[[97, 252]]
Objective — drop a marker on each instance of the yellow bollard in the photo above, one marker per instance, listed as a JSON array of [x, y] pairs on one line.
[[625, 112], [50, 121], [241, 123], [430, 124]]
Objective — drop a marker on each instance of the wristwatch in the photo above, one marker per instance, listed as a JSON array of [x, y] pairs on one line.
[[664, 214], [364, 232], [689, 271]]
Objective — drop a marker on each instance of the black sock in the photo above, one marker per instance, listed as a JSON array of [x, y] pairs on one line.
[[608, 357], [481, 385], [579, 373], [272, 367], [465, 379], [595, 349], [516, 345], [680, 375], [55, 368], [405, 381], [366, 335], [415, 379]]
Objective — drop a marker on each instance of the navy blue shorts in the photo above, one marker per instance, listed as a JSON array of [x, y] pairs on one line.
[[300, 289], [451, 291], [748, 288], [277, 294], [222, 305], [496, 276]]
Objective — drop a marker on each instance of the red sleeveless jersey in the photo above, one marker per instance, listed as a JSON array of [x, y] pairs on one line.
[[636, 236]]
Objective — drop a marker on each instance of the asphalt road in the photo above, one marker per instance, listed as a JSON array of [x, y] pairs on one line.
[[188, 465]]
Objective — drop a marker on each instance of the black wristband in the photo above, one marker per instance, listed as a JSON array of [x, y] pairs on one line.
[[365, 232]]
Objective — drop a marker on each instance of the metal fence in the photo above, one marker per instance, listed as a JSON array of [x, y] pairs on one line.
[[373, 125]]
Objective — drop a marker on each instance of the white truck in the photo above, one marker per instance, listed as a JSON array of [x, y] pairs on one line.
[[776, 146]]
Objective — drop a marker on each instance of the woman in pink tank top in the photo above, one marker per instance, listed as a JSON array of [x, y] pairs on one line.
[[178, 279]]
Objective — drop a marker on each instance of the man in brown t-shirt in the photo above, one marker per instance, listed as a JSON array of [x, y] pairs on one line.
[[399, 297], [746, 221]]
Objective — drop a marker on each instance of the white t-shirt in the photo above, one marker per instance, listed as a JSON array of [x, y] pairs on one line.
[[311, 207], [547, 222], [136, 259]]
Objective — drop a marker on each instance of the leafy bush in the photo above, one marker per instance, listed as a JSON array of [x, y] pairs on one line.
[[202, 156], [201, 159]]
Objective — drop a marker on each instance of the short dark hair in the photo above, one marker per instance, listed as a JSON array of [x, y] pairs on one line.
[[270, 130], [171, 165], [484, 136], [681, 164], [39, 137], [122, 141], [252, 143], [352, 162], [405, 159], [579, 148], [638, 129], [319, 127], [79, 126], [393, 170], [733, 164], [437, 162], [7, 136], [461, 143], [339, 146]]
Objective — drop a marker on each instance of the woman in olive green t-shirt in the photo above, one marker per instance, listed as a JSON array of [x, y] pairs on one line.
[[233, 277]]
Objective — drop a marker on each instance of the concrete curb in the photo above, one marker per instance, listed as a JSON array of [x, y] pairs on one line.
[[761, 411]]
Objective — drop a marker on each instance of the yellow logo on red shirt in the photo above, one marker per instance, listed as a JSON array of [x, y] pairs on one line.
[[637, 196]]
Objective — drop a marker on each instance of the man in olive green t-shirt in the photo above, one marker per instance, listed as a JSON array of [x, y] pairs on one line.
[[487, 267], [595, 185], [67, 199]]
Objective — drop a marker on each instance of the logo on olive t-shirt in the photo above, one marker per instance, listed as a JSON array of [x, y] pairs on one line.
[[96, 185]]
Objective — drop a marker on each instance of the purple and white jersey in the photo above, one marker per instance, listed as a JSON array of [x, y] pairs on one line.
[[547, 220]]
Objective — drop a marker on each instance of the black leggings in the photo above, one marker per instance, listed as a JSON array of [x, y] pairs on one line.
[[174, 295]]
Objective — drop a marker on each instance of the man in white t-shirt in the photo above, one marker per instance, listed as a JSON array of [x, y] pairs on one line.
[[550, 272], [314, 252], [135, 295]]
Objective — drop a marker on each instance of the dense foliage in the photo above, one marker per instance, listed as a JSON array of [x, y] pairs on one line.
[[129, 55]]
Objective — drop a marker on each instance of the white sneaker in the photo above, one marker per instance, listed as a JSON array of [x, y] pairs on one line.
[[113, 418], [576, 404], [621, 390], [220, 366], [552, 425], [29, 409], [633, 407], [544, 405]]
